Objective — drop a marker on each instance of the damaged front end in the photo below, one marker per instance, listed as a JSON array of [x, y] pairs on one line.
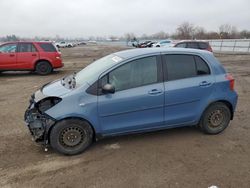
[[38, 122]]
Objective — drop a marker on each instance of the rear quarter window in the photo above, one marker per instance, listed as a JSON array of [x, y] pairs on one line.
[[48, 47], [203, 45], [193, 45], [201, 66]]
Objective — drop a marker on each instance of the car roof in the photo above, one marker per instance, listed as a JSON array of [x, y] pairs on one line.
[[11, 42], [192, 41], [127, 54]]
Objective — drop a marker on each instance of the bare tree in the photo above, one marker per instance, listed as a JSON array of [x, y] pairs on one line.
[[200, 33], [145, 36], [212, 35], [185, 31], [160, 35], [228, 31], [245, 34], [130, 37]]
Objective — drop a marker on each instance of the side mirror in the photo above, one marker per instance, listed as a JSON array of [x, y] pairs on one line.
[[108, 88]]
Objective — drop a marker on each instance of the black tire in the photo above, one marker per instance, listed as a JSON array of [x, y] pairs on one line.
[[43, 68], [71, 137], [158, 46], [215, 118]]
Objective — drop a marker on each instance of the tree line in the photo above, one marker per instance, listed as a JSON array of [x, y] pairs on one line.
[[185, 30]]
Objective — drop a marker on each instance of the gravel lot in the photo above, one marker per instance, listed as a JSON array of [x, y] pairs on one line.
[[183, 157]]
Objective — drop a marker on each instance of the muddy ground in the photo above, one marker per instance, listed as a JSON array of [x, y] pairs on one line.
[[182, 157]]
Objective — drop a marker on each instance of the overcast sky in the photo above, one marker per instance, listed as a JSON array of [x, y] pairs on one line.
[[83, 18]]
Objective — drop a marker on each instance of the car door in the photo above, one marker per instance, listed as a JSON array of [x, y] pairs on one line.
[[8, 56], [138, 101], [188, 85], [27, 55]]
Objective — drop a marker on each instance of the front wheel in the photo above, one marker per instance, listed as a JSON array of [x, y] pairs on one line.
[[71, 137], [216, 118]]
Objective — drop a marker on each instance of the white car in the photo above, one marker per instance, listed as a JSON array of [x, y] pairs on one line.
[[163, 43], [64, 44]]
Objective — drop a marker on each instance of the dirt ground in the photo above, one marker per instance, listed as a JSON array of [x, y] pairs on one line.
[[183, 157]]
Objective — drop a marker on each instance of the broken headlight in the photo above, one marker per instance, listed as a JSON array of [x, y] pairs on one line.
[[47, 103]]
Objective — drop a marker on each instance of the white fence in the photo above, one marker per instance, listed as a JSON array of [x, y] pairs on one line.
[[230, 45]]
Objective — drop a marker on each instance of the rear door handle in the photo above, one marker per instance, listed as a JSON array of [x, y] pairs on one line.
[[205, 83], [155, 91]]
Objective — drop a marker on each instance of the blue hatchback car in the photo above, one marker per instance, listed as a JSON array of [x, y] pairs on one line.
[[132, 91]]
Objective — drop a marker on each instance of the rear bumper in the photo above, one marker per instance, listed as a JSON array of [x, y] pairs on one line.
[[59, 66], [233, 99], [58, 63]]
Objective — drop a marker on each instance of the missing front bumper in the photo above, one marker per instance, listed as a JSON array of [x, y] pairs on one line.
[[38, 123]]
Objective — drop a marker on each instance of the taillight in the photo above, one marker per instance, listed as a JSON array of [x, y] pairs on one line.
[[210, 49], [230, 78]]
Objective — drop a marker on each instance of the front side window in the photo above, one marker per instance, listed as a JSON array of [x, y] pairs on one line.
[[26, 47], [185, 66], [136, 73], [8, 48]]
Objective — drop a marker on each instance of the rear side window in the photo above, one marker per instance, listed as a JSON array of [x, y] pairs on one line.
[[203, 45], [181, 45], [184, 66], [193, 45], [26, 47], [180, 66], [48, 47]]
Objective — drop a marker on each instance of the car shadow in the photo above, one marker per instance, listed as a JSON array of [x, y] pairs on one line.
[[7, 74], [181, 132]]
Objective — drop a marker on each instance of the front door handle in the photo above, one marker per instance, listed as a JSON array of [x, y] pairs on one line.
[[33, 54], [12, 55], [155, 91], [205, 83]]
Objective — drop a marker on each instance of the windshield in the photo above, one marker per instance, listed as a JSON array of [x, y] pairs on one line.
[[91, 72]]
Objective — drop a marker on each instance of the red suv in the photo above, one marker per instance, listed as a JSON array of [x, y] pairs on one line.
[[41, 57]]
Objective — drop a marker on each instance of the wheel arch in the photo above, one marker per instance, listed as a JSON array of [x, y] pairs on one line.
[[73, 117], [40, 60], [227, 103]]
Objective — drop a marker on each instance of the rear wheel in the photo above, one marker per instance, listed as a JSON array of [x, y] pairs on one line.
[[43, 68], [216, 118], [71, 137]]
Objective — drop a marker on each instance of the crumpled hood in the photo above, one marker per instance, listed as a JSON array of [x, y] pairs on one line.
[[54, 89]]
